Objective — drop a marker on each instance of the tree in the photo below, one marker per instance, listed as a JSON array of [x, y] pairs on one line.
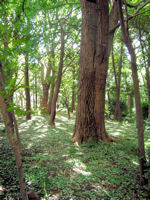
[[73, 89], [45, 84], [117, 114], [12, 132], [146, 61], [139, 119], [92, 72], [51, 92], [27, 89], [58, 81]]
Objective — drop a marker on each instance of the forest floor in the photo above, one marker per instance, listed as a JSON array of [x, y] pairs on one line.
[[56, 169]]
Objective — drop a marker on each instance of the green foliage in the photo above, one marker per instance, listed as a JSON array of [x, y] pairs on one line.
[[56, 168], [123, 107], [145, 110]]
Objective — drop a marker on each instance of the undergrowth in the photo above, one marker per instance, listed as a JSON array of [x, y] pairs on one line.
[[57, 169]]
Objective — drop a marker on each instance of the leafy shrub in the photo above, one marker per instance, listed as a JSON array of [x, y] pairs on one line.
[[123, 106], [145, 110]]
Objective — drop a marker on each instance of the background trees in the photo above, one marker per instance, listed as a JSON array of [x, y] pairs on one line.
[[39, 54]]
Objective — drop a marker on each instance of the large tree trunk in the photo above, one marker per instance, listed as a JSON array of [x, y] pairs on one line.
[[139, 117], [92, 73], [58, 82], [27, 89], [13, 135]]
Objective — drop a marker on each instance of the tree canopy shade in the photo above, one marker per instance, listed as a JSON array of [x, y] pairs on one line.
[[41, 59]]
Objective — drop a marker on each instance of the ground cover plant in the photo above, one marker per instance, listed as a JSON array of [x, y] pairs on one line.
[[55, 168]]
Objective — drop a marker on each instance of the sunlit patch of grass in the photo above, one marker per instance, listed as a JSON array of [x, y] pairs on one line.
[[57, 169]]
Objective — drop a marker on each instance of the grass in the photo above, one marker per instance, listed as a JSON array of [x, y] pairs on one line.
[[57, 169]]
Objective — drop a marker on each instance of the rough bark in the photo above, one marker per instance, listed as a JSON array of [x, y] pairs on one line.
[[13, 134], [139, 117], [92, 73], [58, 82], [27, 89]]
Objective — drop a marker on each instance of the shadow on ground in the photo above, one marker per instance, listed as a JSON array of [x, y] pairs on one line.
[[57, 169]]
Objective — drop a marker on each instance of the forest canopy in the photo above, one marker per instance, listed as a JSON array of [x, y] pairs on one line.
[[86, 62]]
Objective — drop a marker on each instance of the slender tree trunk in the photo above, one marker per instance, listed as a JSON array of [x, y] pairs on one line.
[[51, 98], [68, 110], [139, 117], [92, 73], [36, 96], [52, 79], [73, 100], [117, 114], [13, 135], [148, 90], [73, 90], [46, 86], [44, 101], [27, 89], [148, 85], [58, 82], [130, 104], [33, 98], [147, 72], [113, 21]]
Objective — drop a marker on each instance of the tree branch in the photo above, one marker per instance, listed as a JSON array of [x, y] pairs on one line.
[[132, 6], [131, 16], [23, 5], [142, 6]]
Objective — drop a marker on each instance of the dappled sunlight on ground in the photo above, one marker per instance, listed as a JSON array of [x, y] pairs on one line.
[[62, 118], [118, 129], [113, 132], [59, 125], [79, 167], [41, 136], [58, 169], [135, 163], [36, 122]]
